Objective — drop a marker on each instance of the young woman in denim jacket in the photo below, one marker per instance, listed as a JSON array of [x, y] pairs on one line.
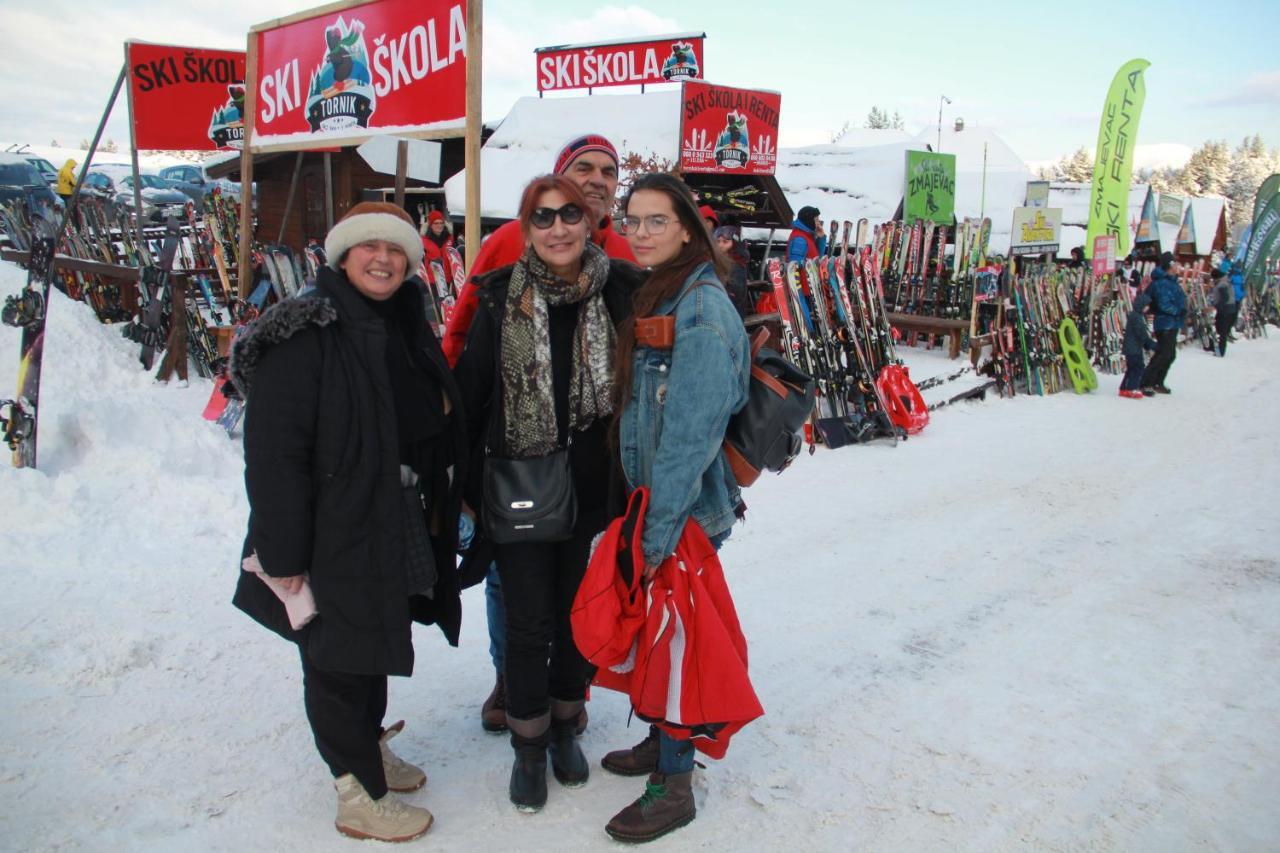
[[674, 406]]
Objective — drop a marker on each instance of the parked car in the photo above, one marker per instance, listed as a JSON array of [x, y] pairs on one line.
[[45, 168], [114, 184], [189, 180], [19, 181]]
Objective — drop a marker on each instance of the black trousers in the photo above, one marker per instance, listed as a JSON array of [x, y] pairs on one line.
[[345, 711], [1166, 352], [1134, 367], [539, 581], [1223, 323]]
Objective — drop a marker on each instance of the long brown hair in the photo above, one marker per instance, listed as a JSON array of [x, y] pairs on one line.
[[667, 278]]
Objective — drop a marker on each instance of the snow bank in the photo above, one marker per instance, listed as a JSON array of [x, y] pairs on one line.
[[1040, 624]]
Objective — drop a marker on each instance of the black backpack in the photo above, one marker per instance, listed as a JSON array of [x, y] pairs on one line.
[[765, 435]]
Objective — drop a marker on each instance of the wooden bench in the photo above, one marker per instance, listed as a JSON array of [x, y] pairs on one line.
[[924, 324]]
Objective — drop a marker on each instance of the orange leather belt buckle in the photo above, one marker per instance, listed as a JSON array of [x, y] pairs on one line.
[[656, 332]]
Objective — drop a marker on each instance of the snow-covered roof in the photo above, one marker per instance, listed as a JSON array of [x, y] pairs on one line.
[[847, 182], [1200, 223], [1073, 199], [866, 137], [526, 143]]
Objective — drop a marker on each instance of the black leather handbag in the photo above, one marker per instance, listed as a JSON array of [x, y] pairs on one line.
[[529, 500]]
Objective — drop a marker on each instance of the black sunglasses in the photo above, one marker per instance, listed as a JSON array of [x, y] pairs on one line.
[[543, 218]]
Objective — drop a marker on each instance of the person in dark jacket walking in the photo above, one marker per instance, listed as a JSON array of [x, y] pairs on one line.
[[350, 409], [1227, 296], [1137, 340], [1170, 306], [537, 376], [729, 240]]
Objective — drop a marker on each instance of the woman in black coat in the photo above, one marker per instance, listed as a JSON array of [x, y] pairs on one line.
[[354, 452], [536, 377]]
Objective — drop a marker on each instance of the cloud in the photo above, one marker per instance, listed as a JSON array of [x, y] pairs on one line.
[[1262, 88]]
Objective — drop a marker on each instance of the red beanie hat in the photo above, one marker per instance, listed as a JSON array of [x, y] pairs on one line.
[[435, 216], [581, 145], [708, 213]]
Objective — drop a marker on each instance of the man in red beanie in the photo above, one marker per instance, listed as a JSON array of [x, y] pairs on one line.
[[591, 162]]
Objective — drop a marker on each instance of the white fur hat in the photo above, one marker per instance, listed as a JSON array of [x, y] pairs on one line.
[[374, 220]]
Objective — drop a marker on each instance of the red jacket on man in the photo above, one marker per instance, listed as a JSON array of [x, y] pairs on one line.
[[505, 246], [675, 648], [432, 252]]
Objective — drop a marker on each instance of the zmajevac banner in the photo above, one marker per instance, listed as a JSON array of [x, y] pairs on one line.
[[1113, 162], [931, 187]]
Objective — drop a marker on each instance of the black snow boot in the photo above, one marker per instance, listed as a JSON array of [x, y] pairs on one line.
[[528, 788], [567, 761]]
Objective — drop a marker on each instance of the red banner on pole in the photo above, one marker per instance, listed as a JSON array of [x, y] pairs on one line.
[[661, 59], [384, 67], [726, 131], [186, 98]]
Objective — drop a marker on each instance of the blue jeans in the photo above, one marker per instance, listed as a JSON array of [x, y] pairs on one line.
[[676, 756], [494, 611]]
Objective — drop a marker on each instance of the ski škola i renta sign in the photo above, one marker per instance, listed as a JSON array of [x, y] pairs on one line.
[[390, 66], [931, 188], [185, 98], [1036, 230], [1113, 161], [656, 59], [728, 131]]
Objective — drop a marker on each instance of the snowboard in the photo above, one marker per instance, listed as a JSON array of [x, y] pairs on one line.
[[27, 311]]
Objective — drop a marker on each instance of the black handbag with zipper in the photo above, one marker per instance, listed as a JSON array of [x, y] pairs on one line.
[[529, 500]]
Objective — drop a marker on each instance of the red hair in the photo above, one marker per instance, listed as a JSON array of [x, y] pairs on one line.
[[545, 183]]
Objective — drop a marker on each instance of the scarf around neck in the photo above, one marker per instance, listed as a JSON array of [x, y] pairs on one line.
[[528, 398]]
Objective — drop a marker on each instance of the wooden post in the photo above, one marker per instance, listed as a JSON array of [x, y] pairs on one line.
[[133, 159], [288, 202], [475, 30], [402, 164], [328, 192], [245, 263], [88, 158]]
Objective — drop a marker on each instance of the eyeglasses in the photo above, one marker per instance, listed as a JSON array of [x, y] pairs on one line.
[[543, 218], [654, 224]]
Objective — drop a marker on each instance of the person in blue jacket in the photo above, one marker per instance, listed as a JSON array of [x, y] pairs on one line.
[[1137, 340], [807, 240], [1169, 304], [1228, 294]]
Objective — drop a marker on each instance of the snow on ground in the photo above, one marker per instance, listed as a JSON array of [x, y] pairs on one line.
[[1042, 624]]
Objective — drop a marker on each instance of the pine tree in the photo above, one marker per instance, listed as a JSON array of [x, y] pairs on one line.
[[84, 145], [110, 146], [897, 123], [1079, 167], [1208, 171], [877, 119]]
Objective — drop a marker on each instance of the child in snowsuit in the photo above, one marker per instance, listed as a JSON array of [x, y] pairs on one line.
[[1136, 339]]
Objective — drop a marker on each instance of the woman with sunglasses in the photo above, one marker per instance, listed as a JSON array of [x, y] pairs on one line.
[[676, 395], [537, 376]]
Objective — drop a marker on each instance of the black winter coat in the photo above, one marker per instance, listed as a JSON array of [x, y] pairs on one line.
[[597, 482], [1136, 335], [322, 472]]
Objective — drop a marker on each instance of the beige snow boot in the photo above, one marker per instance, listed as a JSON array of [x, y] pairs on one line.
[[401, 775], [387, 819]]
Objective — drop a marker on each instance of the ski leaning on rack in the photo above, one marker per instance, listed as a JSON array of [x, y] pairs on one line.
[[27, 311]]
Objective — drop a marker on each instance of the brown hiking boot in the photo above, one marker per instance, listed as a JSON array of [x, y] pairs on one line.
[[493, 713], [639, 760], [666, 804]]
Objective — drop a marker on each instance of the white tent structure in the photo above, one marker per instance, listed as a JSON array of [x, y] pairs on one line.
[[854, 182]]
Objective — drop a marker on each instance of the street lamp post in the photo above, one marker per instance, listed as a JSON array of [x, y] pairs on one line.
[[942, 99]]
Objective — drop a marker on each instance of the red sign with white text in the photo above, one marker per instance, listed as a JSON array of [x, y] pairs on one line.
[[389, 66], [1104, 255], [726, 131], [186, 98], [670, 59]]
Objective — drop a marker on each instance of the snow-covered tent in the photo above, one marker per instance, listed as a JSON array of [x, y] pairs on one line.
[[1073, 199], [526, 143], [852, 182], [1204, 227]]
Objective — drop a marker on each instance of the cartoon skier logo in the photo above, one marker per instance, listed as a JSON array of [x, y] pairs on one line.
[[341, 91], [732, 145], [226, 126], [681, 64]]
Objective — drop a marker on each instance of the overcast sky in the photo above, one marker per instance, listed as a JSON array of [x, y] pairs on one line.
[[1038, 79]]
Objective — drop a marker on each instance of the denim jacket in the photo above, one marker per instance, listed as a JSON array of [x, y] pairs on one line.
[[673, 426]]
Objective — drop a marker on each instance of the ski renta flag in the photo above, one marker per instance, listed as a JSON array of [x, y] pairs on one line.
[[344, 75], [185, 98], [655, 59], [930, 192], [1264, 242], [1113, 161], [727, 131]]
